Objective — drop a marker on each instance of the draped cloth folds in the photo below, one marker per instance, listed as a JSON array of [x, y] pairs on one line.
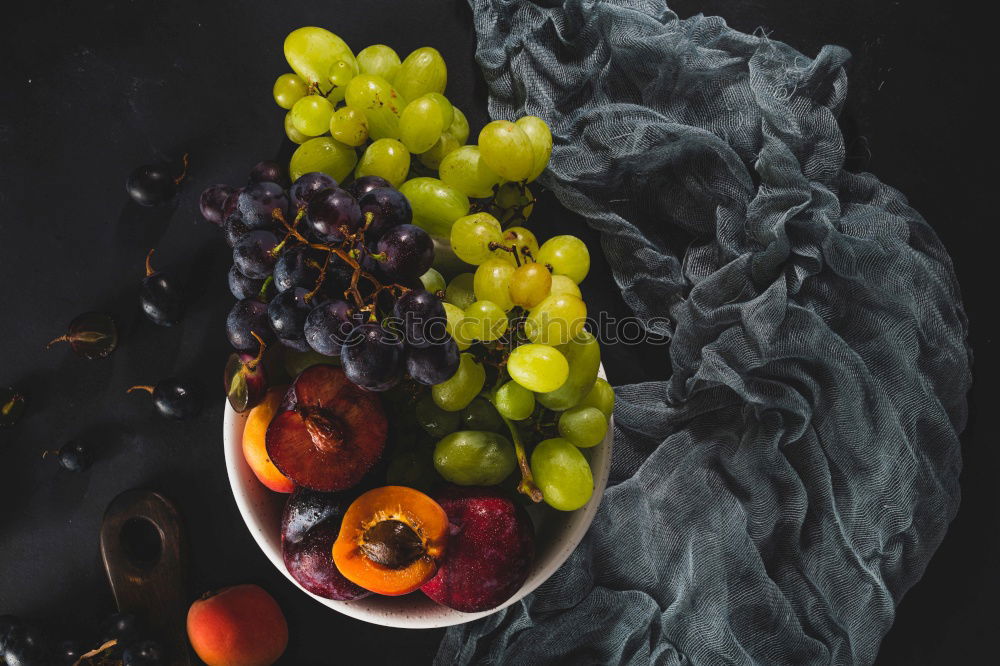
[[771, 501]]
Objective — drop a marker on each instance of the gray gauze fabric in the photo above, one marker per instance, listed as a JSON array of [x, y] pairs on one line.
[[773, 499]]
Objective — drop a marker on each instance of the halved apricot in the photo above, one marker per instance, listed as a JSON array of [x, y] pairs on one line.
[[332, 433], [391, 540], [255, 446]]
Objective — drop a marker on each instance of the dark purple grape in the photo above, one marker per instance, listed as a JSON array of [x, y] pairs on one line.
[[243, 287], [69, 652], [233, 229], [24, 644], [258, 202], [372, 357], [248, 316], [244, 380], [91, 335], [387, 207], [161, 299], [151, 185], [254, 254], [365, 184], [75, 456], [433, 364], [213, 202], [268, 172], [296, 344], [409, 252], [330, 212], [11, 407], [287, 313], [173, 399], [306, 186], [298, 266], [421, 315], [144, 653], [122, 627], [329, 325]]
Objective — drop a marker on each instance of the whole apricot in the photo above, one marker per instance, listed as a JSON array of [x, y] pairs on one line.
[[237, 626], [255, 442]]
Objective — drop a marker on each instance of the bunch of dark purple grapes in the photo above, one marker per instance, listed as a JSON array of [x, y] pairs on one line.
[[122, 641], [330, 269]]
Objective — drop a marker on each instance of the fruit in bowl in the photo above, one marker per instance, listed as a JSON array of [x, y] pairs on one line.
[[445, 428]]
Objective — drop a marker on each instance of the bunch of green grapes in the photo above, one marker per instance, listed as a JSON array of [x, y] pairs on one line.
[[519, 317]]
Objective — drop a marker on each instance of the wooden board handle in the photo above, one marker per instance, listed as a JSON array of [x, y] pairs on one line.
[[144, 555]]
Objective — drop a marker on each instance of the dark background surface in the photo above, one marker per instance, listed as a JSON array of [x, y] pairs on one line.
[[90, 90]]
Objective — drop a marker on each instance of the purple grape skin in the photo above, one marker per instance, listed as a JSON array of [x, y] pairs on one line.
[[258, 202], [365, 184], [298, 344], [268, 172], [254, 254], [246, 316], [433, 364], [213, 201], [243, 287], [372, 357], [306, 186], [329, 325], [409, 252], [331, 209], [233, 229], [388, 207], [422, 317], [287, 313], [293, 269]]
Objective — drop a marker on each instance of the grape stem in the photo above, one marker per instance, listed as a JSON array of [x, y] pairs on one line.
[[527, 485], [149, 265], [252, 365], [186, 160], [93, 653], [148, 389]]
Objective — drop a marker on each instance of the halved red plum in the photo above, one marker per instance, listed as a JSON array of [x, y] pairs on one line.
[[332, 436], [310, 524]]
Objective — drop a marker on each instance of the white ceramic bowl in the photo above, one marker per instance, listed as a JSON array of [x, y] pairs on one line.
[[557, 534]]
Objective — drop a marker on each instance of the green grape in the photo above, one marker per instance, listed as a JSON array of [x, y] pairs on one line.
[[414, 469], [455, 393], [380, 60], [445, 145], [480, 414], [513, 204], [540, 136], [288, 89], [459, 127], [465, 170], [562, 474], [507, 150], [488, 320], [322, 154], [529, 285], [563, 285], [341, 71], [435, 205], [474, 458], [312, 51], [455, 325], [583, 353], [435, 421], [447, 109], [421, 124], [539, 368], [293, 134], [422, 72], [471, 237], [349, 126], [380, 103], [514, 402], [461, 290], [492, 282], [433, 281], [556, 320], [311, 115], [567, 255], [386, 158], [294, 362], [601, 396], [583, 426]]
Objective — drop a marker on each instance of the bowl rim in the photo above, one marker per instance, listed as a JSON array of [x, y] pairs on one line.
[[238, 471]]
